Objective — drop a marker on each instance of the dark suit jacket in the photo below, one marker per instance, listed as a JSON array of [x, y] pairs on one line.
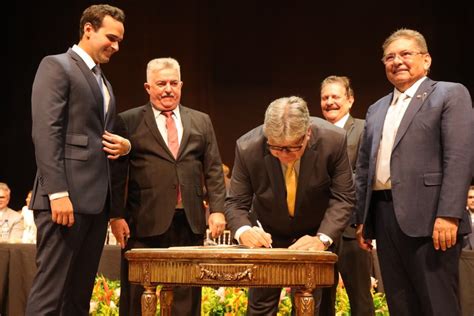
[[68, 123], [325, 192], [153, 173], [430, 163], [354, 129]]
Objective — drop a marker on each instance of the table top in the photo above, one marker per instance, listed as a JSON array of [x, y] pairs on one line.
[[229, 252]]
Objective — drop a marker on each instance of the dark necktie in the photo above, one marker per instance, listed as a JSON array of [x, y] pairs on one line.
[[103, 88]]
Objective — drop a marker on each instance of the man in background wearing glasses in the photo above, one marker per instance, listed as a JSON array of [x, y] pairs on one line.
[[293, 176], [412, 177]]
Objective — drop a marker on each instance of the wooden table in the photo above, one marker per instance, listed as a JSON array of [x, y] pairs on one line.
[[229, 266]]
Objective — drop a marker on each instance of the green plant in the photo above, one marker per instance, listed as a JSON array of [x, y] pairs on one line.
[[224, 301], [105, 297]]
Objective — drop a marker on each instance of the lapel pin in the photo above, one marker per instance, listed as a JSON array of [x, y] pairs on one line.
[[422, 96]]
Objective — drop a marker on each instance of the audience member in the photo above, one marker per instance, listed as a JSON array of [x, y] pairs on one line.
[[354, 263], [174, 155], [226, 171], [469, 239], [73, 110], [412, 176], [12, 219], [466, 263], [292, 178], [29, 232]]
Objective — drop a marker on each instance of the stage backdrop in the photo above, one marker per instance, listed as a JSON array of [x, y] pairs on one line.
[[236, 57]]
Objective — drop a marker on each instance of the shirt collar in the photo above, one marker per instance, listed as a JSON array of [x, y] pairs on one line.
[[342, 121], [85, 56], [410, 92], [176, 112]]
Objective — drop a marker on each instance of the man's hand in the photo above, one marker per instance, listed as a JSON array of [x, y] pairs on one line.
[[120, 230], [365, 244], [216, 224], [256, 237], [62, 212], [115, 145], [308, 242], [444, 232]]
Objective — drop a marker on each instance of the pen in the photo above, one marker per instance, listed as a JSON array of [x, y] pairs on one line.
[[261, 227]]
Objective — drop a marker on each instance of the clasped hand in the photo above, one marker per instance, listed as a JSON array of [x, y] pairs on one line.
[[115, 145]]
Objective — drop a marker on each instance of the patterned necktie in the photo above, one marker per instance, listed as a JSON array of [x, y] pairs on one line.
[[103, 88], [291, 183], [173, 143], [390, 128]]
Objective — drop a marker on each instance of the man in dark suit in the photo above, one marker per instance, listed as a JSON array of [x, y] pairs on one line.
[[292, 175], [354, 264], [469, 238], [73, 109], [164, 185], [412, 177]]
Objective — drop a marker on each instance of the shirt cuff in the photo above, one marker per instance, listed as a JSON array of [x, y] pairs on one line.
[[330, 239], [57, 195], [240, 231]]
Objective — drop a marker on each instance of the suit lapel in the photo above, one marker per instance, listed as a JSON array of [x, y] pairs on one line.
[[92, 81], [186, 121], [379, 119], [349, 126], [149, 117], [415, 104], [277, 182], [306, 163]]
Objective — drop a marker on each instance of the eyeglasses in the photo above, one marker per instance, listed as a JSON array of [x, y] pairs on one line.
[[404, 55], [288, 149]]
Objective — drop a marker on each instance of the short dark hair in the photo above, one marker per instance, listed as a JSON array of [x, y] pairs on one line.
[[95, 15]]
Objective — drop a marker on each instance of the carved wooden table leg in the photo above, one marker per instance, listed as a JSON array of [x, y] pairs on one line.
[[166, 299], [149, 301], [304, 302]]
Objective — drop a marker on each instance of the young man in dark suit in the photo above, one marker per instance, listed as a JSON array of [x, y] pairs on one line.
[[73, 110], [412, 177], [174, 154], [292, 175]]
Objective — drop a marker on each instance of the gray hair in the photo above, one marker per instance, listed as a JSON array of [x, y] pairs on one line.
[[286, 119], [416, 36], [342, 80], [162, 63], [4, 187]]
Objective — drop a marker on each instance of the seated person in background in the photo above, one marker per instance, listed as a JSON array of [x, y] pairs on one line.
[[13, 218], [29, 231], [469, 238], [226, 171]]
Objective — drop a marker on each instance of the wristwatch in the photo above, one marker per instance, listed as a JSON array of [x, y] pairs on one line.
[[325, 240]]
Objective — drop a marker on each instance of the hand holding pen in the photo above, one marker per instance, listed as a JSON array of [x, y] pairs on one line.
[[266, 236]]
